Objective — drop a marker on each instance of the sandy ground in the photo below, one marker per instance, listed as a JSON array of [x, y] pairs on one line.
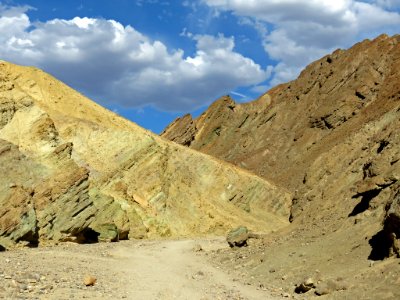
[[166, 269]]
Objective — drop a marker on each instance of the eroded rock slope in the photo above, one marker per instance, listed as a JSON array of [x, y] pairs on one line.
[[332, 137], [71, 170]]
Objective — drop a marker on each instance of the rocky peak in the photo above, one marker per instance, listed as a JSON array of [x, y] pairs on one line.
[[331, 136]]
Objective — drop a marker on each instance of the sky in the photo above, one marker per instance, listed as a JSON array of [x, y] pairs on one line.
[[154, 60]]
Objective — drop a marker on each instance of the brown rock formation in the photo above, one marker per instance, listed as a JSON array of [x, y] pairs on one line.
[[332, 136]]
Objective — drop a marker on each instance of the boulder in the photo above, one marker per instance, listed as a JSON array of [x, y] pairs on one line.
[[107, 232], [238, 237]]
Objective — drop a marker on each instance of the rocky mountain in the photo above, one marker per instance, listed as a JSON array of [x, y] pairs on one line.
[[74, 171], [314, 162], [331, 137]]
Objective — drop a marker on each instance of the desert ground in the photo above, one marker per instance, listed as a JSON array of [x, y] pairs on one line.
[[157, 269]]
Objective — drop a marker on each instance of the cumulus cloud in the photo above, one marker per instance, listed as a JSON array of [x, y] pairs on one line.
[[116, 63], [304, 30]]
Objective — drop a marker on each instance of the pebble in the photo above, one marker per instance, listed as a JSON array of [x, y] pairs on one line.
[[89, 280]]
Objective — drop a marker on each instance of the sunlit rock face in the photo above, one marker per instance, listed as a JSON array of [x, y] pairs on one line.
[[74, 171]]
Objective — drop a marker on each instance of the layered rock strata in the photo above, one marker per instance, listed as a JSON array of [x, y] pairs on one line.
[[74, 171]]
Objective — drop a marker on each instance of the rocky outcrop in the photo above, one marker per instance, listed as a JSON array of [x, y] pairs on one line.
[[331, 137], [77, 172], [280, 134], [181, 131]]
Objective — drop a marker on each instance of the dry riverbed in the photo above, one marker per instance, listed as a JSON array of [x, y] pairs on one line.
[[162, 269]]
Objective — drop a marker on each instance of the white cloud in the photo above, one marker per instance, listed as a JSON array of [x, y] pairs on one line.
[[304, 30], [116, 63], [391, 4]]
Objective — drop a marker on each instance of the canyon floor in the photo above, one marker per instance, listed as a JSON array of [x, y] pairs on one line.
[[268, 268], [158, 269]]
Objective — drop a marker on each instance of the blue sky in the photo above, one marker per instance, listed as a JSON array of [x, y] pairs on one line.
[[154, 60]]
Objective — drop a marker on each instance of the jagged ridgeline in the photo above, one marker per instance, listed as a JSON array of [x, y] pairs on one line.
[[332, 137], [74, 171]]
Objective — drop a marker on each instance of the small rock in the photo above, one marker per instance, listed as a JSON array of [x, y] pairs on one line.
[[89, 280], [309, 282], [329, 286], [198, 275], [371, 264], [305, 286], [197, 248], [322, 289], [23, 287]]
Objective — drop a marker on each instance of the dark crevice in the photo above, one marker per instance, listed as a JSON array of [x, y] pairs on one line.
[[217, 131], [244, 121], [367, 170], [31, 237], [380, 244], [291, 218], [295, 200], [232, 198], [269, 118], [382, 145], [327, 124], [360, 96], [385, 243], [82, 209], [189, 141], [366, 197], [88, 236]]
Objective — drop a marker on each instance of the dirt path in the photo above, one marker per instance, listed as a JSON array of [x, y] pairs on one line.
[[127, 270], [173, 270]]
